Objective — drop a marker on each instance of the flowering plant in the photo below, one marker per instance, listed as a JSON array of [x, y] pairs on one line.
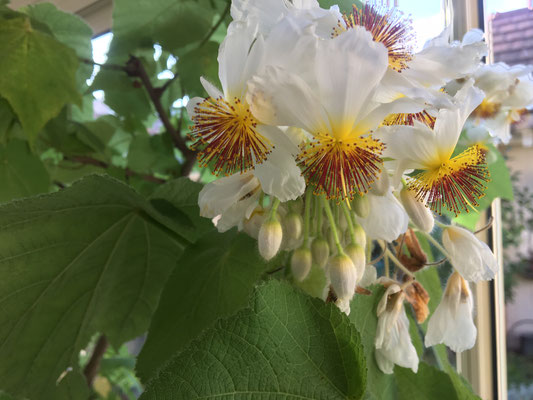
[[340, 172]]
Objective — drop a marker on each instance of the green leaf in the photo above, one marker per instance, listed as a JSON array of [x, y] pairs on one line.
[[7, 118], [37, 74], [214, 278], [196, 63], [286, 346], [427, 383], [172, 24], [500, 186], [363, 315], [22, 173], [181, 195], [122, 94], [152, 154], [90, 258], [70, 30], [315, 282]]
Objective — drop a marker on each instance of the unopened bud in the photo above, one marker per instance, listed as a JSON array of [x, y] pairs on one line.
[[381, 186], [320, 251], [360, 235], [343, 224], [293, 226], [269, 238], [301, 262], [357, 255], [421, 215], [361, 206], [342, 275]]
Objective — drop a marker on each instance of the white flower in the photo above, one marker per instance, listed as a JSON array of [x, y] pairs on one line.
[[228, 136], [342, 274], [509, 90], [269, 12], [471, 257], [386, 219], [452, 322], [453, 182], [393, 342], [234, 198], [420, 215], [332, 101]]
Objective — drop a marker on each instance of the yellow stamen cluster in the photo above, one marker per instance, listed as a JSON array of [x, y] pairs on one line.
[[227, 137], [408, 119], [387, 26], [455, 184], [486, 109], [341, 167]]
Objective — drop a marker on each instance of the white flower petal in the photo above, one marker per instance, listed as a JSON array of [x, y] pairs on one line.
[[387, 218], [211, 89]]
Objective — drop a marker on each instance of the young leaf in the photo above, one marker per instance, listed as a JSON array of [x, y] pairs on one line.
[[37, 74], [286, 346], [22, 173], [427, 383], [90, 258], [214, 278], [70, 30]]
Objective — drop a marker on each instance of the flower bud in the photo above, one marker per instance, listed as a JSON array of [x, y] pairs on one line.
[[360, 235], [357, 255], [421, 215], [342, 275], [301, 261], [361, 206], [293, 226], [269, 238], [320, 251], [369, 277]]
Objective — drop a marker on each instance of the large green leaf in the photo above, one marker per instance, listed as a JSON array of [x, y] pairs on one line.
[[90, 258], [427, 383], [22, 173], [37, 74], [363, 315], [151, 154], [214, 278], [70, 30], [171, 23], [286, 346]]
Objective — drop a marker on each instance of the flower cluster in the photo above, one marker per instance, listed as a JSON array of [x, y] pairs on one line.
[[336, 140]]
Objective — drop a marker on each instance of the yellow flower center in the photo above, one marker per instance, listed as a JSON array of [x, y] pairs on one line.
[[455, 184], [387, 26], [409, 119], [227, 137], [486, 109]]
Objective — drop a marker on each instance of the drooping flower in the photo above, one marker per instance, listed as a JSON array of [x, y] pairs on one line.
[[441, 179], [342, 274], [509, 90], [335, 107], [452, 322], [471, 257], [393, 341]]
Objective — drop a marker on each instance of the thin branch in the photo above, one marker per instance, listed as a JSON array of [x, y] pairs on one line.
[[136, 68], [215, 27], [489, 224], [91, 369], [442, 260], [115, 67]]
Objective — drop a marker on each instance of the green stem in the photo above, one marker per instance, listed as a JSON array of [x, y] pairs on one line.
[[348, 218], [319, 217], [274, 209], [387, 266], [332, 225], [396, 262], [307, 216]]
